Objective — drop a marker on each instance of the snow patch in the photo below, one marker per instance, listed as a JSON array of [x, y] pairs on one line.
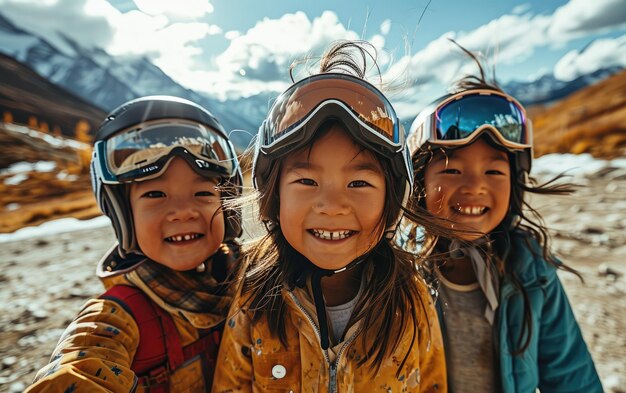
[[54, 227], [12, 207], [52, 140], [15, 179], [573, 164], [25, 167]]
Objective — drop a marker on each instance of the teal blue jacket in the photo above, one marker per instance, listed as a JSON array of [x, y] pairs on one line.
[[557, 359]]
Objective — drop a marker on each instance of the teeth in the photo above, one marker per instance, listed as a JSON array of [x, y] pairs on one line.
[[327, 235], [470, 210], [180, 238]]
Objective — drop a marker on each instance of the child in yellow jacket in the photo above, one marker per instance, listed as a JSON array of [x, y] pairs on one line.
[[160, 169], [327, 302]]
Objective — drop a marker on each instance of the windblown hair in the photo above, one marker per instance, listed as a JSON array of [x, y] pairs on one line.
[[350, 57], [521, 217], [391, 302]]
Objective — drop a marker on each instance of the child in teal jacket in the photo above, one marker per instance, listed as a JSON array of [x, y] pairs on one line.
[[507, 323]]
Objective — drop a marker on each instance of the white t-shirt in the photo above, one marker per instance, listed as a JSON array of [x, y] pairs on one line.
[[340, 315]]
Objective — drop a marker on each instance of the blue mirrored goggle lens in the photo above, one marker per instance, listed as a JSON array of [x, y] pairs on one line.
[[459, 119]]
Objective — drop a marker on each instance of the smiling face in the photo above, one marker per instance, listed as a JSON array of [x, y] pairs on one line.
[[177, 217], [471, 187], [331, 200]]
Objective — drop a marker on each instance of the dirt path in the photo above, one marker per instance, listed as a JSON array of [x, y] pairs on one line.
[[45, 280]]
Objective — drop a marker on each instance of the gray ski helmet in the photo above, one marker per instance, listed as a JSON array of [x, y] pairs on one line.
[[113, 199]]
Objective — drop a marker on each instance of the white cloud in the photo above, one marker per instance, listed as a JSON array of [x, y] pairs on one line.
[[385, 27], [266, 50], [599, 54], [190, 9], [259, 59], [79, 20], [232, 34], [173, 46], [511, 39], [522, 8], [581, 17], [505, 40]]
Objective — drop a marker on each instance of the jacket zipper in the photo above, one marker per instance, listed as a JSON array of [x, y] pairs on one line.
[[332, 383]]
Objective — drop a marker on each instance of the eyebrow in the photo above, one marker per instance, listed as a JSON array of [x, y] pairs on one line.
[[499, 157], [365, 166], [214, 181], [451, 156], [294, 166]]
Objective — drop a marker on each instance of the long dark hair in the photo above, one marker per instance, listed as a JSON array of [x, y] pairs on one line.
[[521, 217], [391, 301]]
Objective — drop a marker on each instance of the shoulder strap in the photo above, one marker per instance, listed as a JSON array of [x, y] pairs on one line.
[[158, 337], [160, 350]]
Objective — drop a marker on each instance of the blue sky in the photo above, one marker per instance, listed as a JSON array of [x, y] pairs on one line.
[[232, 48]]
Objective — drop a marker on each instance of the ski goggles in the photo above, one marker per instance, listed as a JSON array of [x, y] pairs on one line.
[[143, 152], [460, 118], [300, 110]]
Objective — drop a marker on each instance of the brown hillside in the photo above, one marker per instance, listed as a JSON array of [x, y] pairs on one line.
[[28, 98], [42, 196], [592, 120]]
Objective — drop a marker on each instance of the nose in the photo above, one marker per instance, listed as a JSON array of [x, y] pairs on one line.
[[472, 184], [182, 211], [331, 201]]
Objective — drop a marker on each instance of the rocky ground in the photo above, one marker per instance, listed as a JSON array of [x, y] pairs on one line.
[[45, 280]]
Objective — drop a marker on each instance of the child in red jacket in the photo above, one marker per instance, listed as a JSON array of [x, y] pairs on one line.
[[161, 168]]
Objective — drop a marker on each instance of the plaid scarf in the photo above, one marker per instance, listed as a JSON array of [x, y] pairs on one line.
[[190, 290]]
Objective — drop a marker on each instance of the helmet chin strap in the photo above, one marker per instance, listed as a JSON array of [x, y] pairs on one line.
[[318, 297]]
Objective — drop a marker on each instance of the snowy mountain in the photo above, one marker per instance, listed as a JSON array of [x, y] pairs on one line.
[[106, 81], [547, 89]]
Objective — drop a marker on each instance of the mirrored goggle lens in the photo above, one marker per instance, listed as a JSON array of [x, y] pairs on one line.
[[142, 147], [298, 104], [460, 118]]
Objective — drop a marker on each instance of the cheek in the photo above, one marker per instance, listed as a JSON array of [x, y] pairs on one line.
[[504, 200], [435, 195], [145, 233], [218, 228], [291, 206]]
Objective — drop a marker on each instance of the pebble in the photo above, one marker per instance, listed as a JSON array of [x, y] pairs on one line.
[[17, 387], [594, 230], [8, 361], [41, 243], [613, 383], [575, 209], [619, 174], [604, 269], [39, 314], [611, 188]]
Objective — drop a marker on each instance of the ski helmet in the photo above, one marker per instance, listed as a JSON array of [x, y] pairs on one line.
[[137, 141]]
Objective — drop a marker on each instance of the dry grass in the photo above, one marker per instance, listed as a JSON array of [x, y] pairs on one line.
[[592, 120]]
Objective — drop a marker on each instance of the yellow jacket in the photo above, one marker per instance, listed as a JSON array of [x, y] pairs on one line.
[[252, 360], [96, 351]]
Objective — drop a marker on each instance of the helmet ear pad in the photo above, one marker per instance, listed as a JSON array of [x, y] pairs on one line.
[[115, 205]]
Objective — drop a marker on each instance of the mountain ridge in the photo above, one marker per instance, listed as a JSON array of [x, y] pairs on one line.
[[107, 81]]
